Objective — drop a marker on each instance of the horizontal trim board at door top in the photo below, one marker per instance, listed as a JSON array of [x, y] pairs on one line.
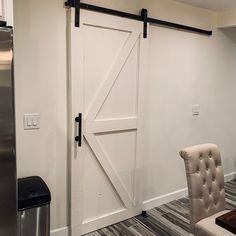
[[164, 199], [60, 232]]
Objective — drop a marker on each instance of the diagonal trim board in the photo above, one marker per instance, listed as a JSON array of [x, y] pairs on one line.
[[115, 70], [108, 169]]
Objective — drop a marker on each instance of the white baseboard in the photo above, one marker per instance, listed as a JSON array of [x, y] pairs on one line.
[[160, 200], [230, 176], [60, 232]]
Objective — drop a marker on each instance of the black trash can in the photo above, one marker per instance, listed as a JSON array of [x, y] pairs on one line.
[[33, 207]]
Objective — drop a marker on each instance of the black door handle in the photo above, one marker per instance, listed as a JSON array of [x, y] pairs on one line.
[[78, 138]]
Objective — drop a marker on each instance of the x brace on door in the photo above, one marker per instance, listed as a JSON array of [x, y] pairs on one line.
[[143, 17]]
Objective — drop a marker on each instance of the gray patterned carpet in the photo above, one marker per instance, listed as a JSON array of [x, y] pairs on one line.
[[171, 219]]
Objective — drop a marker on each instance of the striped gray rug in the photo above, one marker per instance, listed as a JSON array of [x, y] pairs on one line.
[[171, 219]]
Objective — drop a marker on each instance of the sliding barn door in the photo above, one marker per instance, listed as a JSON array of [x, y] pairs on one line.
[[107, 60]]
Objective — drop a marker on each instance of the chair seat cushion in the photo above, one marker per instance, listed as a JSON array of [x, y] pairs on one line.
[[207, 227]]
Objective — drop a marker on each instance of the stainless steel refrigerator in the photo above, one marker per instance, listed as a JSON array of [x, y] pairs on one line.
[[8, 181]]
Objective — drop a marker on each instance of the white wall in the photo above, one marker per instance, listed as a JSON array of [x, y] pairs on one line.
[[227, 19], [40, 84], [185, 68]]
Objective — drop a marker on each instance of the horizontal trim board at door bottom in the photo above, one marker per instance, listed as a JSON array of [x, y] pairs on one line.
[[163, 199], [104, 221], [60, 232]]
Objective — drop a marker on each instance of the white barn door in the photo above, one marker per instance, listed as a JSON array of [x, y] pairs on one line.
[[107, 68]]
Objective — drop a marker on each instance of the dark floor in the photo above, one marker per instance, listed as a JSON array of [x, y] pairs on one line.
[[171, 219]]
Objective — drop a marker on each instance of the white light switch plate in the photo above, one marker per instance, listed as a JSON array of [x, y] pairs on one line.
[[196, 109], [32, 121]]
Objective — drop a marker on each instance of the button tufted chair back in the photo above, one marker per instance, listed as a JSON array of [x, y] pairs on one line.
[[205, 181]]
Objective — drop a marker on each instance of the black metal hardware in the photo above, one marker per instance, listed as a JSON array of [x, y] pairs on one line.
[[76, 5], [77, 13], [70, 3], [144, 14], [3, 23], [179, 26], [143, 17], [110, 11], [144, 214], [78, 138]]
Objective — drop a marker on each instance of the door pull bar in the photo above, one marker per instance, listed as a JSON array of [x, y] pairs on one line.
[[78, 138]]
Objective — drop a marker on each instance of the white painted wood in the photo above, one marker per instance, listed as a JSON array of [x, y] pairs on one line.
[[107, 56], [60, 232], [112, 76], [9, 14], [1, 9], [109, 125], [140, 153], [76, 102], [109, 169], [6, 11], [109, 219]]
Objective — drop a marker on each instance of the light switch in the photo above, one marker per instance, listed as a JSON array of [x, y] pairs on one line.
[[196, 109], [32, 121]]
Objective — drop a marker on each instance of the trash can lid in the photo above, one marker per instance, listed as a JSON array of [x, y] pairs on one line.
[[32, 192]]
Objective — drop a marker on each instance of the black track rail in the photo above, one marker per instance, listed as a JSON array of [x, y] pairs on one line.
[[143, 17]]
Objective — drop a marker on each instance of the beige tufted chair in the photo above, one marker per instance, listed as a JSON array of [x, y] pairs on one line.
[[206, 189]]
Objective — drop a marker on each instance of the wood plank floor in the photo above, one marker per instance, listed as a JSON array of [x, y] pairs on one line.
[[171, 219]]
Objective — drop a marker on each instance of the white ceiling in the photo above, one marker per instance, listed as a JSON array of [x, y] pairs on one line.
[[214, 5]]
